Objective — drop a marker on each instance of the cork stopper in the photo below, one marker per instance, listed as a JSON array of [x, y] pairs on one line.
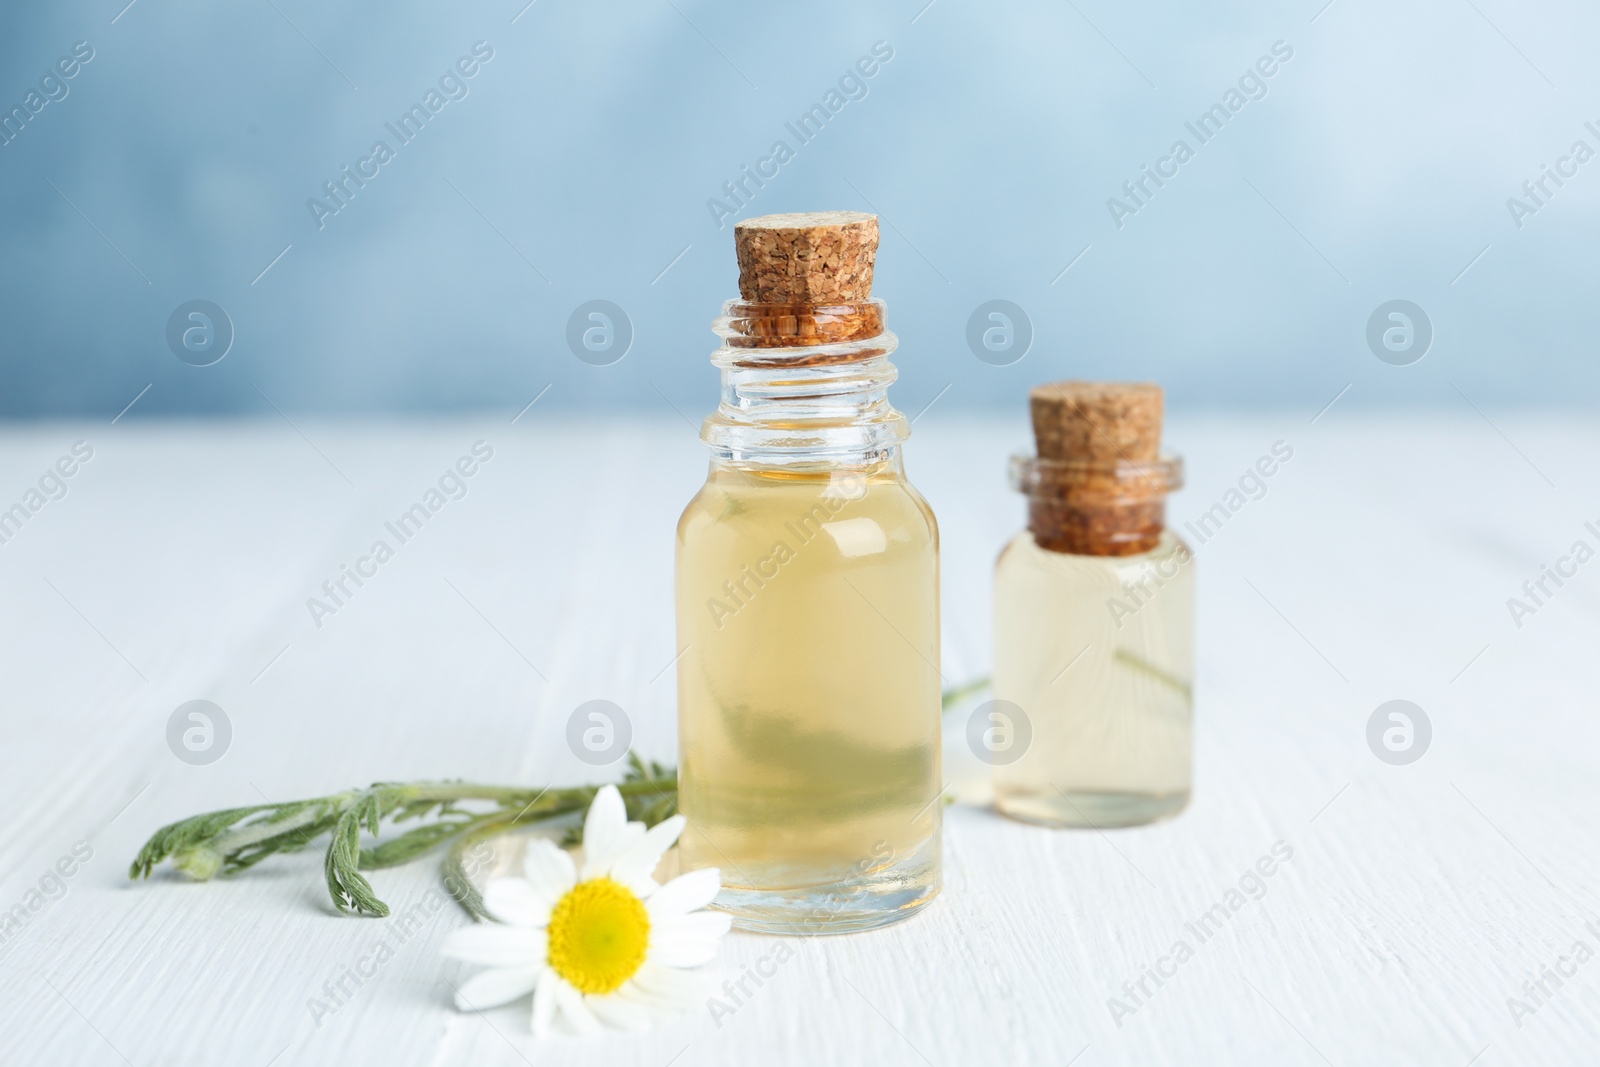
[[1097, 420], [809, 258], [1098, 486]]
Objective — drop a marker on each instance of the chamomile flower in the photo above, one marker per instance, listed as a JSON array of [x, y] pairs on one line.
[[604, 945]]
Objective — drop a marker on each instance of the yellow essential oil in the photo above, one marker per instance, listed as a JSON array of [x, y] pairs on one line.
[[1108, 688], [808, 619]]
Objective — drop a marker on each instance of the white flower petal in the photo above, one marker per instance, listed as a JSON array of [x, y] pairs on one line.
[[499, 985], [661, 981], [617, 1011], [669, 990], [495, 945], [577, 1014], [634, 867], [549, 869], [598, 862], [544, 1002], [516, 902], [684, 951], [688, 940], [696, 924], [685, 893], [604, 822]]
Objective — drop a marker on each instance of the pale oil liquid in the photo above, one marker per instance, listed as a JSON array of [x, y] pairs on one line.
[[1103, 672], [808, 695]]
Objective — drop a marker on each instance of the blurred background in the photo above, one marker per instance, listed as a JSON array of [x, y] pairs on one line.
[[601, 152]]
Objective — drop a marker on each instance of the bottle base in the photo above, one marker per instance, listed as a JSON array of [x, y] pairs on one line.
[[873, 900], [1090, 810]]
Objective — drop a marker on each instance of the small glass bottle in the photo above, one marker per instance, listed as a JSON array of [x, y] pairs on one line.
[[1094, 618], [808, 603]]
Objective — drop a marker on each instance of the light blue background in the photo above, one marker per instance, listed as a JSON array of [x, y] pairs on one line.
[[1377, 166]]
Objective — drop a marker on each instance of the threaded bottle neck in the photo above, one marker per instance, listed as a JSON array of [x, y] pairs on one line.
[[805, 385]]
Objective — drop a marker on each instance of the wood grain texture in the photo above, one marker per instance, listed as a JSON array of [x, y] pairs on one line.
[[1376, 566]]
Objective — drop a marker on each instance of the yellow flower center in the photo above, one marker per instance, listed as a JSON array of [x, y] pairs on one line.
[[598, 935]]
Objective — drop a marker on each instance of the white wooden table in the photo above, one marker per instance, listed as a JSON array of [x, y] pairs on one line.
[[1418, 900]]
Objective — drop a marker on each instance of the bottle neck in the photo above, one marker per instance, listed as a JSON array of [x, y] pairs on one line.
[[805, 386], [1096, 507]]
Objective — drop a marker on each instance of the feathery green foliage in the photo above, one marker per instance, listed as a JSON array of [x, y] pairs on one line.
[[237, 838]]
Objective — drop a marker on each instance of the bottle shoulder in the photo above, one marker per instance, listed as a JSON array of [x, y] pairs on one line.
[[734, 505]]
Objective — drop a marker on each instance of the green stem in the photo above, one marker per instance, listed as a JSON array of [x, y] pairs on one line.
[[511, 796], [957, 693], [237, 838], [1151, 671], [253, 833], [457, 879]]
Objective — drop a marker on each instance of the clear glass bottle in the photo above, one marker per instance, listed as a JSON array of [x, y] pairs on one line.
[[1094, 631], [808, 611]]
